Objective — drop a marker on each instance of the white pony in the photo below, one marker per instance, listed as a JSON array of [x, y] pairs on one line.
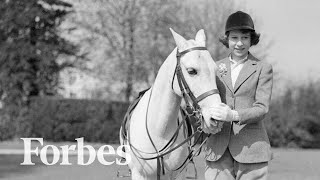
[[153, 122]]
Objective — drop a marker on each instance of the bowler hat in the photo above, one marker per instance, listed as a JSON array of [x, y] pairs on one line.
[[239, 20]]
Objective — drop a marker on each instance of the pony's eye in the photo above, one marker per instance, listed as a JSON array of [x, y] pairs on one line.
[[192, 71]]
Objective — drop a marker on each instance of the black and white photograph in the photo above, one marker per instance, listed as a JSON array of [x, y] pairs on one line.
[[159, 90]]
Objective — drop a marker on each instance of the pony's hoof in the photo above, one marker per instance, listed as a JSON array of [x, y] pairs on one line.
[[123, 173]]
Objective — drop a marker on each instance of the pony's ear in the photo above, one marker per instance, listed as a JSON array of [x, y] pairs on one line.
[[201, 37], [181, 42]]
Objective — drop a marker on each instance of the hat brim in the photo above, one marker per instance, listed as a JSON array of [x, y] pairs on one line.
[[240, 28]]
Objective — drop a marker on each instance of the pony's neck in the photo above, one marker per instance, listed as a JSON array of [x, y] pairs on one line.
[[164, 103]]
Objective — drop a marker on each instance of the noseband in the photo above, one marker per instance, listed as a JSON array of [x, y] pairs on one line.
[[192, 108]]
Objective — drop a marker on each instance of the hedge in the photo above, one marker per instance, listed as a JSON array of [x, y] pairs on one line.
[[68, 119]]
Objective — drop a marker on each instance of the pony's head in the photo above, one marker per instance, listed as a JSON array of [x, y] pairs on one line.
[[199, 71]]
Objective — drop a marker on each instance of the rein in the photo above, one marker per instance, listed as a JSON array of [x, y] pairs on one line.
[[192, 110]]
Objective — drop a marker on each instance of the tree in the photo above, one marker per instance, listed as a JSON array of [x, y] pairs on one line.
[[30, 46], [32, 54], [128, 39], [135, 36]]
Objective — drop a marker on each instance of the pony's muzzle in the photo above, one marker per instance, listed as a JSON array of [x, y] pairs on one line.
[[213, 122]]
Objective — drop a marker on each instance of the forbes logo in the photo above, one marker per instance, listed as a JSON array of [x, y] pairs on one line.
[[66, 150]]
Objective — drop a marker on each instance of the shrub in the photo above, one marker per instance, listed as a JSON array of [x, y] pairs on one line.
[[68, 119], [295, 118]]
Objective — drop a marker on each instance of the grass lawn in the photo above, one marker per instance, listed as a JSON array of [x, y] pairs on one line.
[[288, 164]]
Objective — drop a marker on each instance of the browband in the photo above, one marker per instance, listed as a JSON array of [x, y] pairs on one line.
[[179, 54]]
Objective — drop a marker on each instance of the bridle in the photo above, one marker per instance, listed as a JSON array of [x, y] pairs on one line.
[[192, 110]]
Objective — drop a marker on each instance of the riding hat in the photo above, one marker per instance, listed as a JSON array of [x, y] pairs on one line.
[[239, 20]]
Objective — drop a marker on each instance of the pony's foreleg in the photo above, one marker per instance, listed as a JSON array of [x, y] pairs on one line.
[[135, 175], [138, 175], [177, 175]]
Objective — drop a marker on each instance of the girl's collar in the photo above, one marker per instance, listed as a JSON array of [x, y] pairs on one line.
[[238, 61]]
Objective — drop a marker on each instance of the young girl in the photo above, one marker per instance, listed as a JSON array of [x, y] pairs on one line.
[[241, 150]]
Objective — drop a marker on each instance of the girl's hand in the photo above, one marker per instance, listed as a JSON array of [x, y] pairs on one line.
[[210, 125], [222, 112]]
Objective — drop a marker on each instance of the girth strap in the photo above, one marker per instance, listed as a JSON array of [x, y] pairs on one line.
[[160, 167]]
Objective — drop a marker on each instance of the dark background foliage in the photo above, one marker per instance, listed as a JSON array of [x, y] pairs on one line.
[[29, 47], [30, 44], [68, 119], [294, 118]]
